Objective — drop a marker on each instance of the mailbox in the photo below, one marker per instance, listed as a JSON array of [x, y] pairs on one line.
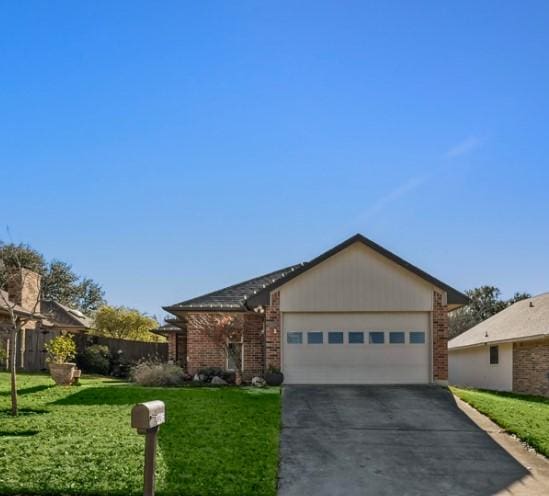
[[149, 415]]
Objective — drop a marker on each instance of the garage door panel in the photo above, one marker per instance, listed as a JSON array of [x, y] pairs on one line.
[[356, 363]]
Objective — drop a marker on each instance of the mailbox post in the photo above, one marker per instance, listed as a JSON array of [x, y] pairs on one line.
[[146, 418]]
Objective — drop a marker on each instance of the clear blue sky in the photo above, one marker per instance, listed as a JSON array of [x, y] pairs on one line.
[[170, 148]]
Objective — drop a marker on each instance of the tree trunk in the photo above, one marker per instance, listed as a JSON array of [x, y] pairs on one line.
[[238, 376], [13, 370]]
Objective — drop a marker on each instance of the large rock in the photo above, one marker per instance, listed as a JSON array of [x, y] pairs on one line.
[[258, 382], [196, 378], [217, 381]]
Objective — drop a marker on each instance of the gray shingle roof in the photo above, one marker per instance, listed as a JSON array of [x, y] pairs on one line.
[[63, 314], [232, 298], [525, 319]]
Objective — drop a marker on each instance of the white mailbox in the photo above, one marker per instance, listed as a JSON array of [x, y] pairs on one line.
[[149, 415]]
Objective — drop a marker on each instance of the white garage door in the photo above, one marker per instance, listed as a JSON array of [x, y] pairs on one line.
[[356, 348]]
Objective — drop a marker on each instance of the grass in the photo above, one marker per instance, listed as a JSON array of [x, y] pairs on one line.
[[78, 440], [525, 416]]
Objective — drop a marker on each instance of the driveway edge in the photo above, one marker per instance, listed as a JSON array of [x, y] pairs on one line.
[[537, 481]]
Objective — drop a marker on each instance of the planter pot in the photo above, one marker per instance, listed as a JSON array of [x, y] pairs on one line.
[[62, 373], [274, 378]]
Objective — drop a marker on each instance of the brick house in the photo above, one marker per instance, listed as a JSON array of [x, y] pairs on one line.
[[41, 315], [507, 352], [356, 314]]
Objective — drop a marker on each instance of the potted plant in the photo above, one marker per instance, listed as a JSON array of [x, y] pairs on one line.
[[274, 376], [60, 350]]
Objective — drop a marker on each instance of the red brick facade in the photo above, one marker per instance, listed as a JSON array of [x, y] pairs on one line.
[[531, 367], [272, 332], [440, 338], [172, 347], [198, 350]]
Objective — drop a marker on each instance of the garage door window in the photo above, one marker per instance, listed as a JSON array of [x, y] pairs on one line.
[[396, 337], [335, 337], [356, 337], [377, 337], [314, 337], [294, 337], [417, 337]]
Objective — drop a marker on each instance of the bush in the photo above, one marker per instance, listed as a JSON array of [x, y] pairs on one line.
[[61, 349], [95, 359], [155, 373], [210, 372]]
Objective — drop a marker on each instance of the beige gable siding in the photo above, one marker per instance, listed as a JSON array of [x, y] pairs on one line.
[[356, 279]]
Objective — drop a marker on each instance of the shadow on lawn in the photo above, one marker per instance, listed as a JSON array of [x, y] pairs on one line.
[[29, 390], [23, 412], [108, 396], [25, 433]]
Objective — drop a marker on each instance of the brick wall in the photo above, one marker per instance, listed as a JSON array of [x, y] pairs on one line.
[[24, 289], [181, 349], [440, 338], [172, 336], [531, 367], [254, 345], [272, 331], [202, 351]]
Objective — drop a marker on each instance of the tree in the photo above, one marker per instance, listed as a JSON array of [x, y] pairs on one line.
[[484, 302], [18, 317], [224, 331], [59, 281], [125, 323]]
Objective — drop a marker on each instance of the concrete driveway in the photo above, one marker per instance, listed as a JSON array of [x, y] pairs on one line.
[[386, 440]]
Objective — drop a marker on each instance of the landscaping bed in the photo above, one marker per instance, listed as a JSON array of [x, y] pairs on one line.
[[78, 440], [525, 416]]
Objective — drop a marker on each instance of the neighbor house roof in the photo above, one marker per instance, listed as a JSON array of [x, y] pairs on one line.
[[64, 315], [254, 292], [454, 296], [17, 308], [231, 298], [168, 327], [524, 320], [51, 312]]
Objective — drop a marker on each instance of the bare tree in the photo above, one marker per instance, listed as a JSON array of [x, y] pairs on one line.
[[227, 333], [18, 318]]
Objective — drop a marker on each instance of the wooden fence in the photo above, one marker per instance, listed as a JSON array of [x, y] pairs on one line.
[[34, 355]]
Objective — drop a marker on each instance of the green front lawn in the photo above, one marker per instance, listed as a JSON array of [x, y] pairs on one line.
[[78, 440], [525, 416]]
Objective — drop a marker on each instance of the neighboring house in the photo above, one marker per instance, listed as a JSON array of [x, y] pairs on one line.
[[357, 314], [507, 352], [23, 295]]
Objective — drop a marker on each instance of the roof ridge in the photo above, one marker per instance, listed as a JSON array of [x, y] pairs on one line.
[[453, 293]]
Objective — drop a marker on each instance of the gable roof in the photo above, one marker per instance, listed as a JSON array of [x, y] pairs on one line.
[[64, 315], [232, 298], [253, 292], [454, 296], [525, 319]]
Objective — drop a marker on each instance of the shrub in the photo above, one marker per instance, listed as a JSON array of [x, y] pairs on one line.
[[95, 359], [154, 373], [61, 349], [210, 372]]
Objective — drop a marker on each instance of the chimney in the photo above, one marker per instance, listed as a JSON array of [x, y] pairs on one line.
[[24, 289]]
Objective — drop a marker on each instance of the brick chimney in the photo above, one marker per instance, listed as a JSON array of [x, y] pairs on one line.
[[24, 289]]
